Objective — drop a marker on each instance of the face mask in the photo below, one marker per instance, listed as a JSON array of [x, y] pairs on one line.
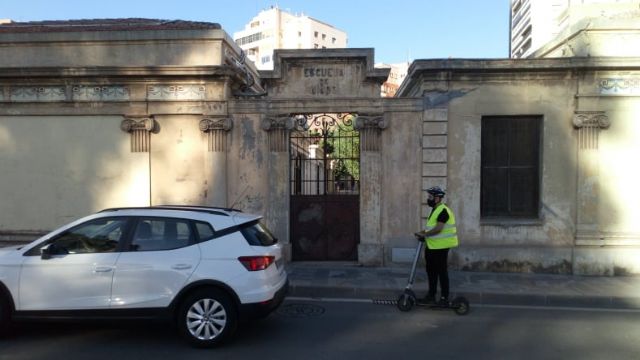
[[431, 202]]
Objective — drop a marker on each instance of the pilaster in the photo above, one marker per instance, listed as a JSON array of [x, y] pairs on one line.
[[278, 128], [216, 130], [589, 124], [370, 249]]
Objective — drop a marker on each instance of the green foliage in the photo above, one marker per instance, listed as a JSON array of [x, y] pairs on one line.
[[346, 148]]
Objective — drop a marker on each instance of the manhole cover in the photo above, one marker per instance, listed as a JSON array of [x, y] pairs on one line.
[[300, 310]]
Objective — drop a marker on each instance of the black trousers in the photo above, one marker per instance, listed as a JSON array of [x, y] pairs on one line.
[[437, 270]]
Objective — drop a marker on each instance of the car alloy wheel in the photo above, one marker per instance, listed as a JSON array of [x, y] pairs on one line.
[[207, 318]]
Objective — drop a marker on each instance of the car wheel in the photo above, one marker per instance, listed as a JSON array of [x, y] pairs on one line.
[[207, 318], [5, 316]]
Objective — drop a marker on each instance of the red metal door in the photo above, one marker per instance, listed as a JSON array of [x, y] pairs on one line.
[[325, 179]]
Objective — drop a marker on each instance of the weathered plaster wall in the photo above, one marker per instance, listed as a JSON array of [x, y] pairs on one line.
[[55, 169], [177, 164], [542, 245], [401, 181], [619, 152], [553, 101], [248, 164]]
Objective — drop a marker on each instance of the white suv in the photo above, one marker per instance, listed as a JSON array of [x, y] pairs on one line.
[[206, 268]]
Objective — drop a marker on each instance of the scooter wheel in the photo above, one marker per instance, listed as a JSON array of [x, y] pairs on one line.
[[460, 305], [406, 302]]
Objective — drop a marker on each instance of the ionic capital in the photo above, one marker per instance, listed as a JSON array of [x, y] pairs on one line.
[[591, 119], [211, 124]]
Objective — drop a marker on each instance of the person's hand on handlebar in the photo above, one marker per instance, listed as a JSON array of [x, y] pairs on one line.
[[419, 235]]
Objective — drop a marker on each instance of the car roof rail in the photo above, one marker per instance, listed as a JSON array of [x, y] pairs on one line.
[[201, 209]]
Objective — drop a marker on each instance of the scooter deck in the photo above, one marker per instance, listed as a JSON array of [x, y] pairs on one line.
[[436, 306]]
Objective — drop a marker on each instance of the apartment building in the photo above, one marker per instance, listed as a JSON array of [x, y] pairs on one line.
[[397, 74], [537, 25], [278, 29]]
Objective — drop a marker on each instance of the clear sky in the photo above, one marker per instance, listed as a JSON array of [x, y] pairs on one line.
[[399, 30]]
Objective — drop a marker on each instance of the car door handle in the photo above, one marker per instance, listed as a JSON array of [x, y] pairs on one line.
[[181, 266], [102, 269]]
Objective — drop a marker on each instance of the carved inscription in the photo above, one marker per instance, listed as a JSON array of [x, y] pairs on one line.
[[323, 79]]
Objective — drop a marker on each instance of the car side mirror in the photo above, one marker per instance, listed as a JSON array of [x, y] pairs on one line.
[[52, 249], [45, 252]]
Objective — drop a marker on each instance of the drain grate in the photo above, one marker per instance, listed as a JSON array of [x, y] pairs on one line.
[[300, 310], [384, 302]]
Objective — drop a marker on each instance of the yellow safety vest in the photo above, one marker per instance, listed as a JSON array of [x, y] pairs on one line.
[[448, 237]]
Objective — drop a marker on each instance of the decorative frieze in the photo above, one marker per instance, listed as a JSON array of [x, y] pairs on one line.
[[216, 130], [37, 93], [176, 92], [589, 124], [619, 86], [370, 127], [140, 130], [100, 93], [278, 128]]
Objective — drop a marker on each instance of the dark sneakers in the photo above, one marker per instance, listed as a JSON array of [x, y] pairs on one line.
[[444, 302]]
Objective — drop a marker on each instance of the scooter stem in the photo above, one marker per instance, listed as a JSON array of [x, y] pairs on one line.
[[412, 276]]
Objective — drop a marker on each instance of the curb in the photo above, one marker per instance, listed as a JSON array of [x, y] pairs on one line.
[[480, 298]]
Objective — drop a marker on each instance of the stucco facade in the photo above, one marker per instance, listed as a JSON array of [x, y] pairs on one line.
[[587, 208], [160, 115]]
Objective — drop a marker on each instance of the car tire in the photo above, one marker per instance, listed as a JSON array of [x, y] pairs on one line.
[[5, 316], [207, 318]]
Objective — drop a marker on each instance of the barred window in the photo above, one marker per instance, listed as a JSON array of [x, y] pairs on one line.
[[510, 179]]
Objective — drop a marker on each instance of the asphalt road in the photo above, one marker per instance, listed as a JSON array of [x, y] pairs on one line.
[[304, 329]]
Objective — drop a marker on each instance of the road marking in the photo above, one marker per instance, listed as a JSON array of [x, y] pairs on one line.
[[473, 305], [339, 300], [563, 308]]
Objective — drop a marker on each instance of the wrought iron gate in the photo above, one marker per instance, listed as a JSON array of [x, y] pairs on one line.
[[325, 187]]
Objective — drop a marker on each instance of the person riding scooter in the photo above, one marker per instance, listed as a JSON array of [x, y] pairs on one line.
[[440, 235]]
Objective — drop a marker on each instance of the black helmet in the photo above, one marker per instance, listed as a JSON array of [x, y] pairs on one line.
[[436, 191]]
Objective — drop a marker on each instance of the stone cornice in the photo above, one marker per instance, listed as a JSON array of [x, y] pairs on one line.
[[330, 105], [443, 69], [55, 73], [125, 36]]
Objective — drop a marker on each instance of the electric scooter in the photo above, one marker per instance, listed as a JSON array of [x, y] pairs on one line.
[[408, 299]]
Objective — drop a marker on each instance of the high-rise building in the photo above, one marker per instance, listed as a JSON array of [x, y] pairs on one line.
[[277, 29], [540, 28], [397, 74]]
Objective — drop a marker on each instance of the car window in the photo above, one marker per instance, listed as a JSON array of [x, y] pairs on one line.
[[205, 231], [258, 235], [95, 236], [160, 234]]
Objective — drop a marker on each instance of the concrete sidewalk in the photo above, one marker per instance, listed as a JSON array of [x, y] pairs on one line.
[[338, 280]]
